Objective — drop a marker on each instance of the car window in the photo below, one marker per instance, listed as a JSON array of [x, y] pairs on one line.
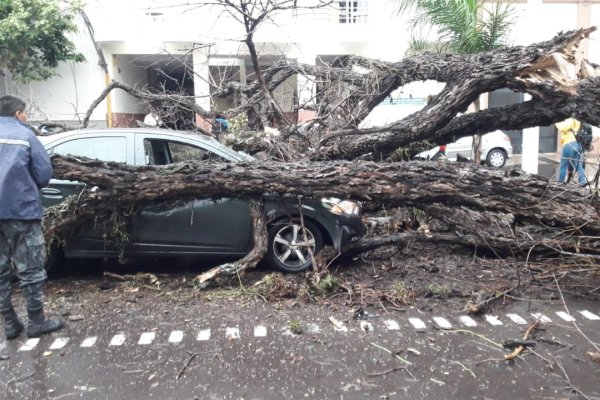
[[162, 152], [102, 148]]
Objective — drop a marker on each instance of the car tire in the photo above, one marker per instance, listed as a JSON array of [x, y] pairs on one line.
[[288, 250], [496, 158]]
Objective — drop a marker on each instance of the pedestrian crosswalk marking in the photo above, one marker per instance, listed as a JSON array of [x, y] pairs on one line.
[[232, 333], [176, 337], [391, 325], [203, 335], [30, 344], [418, 324], [493, 320], [589, 315], [565, 316], [517, 319], [89, 341], [467, 321], [260, 331], [147, 338], [59, 343], [117, 340], [442, 322], [541, 317]]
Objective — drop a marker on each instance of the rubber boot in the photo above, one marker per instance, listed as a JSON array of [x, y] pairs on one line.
[[38, 324], [12, 326]]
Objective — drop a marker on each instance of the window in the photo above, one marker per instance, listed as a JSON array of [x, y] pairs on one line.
[[101, 148], [353, 12], [163, 152]]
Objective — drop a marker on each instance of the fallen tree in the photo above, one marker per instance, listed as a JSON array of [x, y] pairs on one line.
[[558, 84], [505, 213]]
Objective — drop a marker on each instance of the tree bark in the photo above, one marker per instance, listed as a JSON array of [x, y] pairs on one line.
[[465, 188]]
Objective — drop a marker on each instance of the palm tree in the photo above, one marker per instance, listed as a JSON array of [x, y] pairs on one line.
[[463, 26]]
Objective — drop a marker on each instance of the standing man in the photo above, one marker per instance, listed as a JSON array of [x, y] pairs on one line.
[[24, 169], [571, 159]]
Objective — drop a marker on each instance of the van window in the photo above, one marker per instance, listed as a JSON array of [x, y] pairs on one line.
[[102, 148], [162, 152]]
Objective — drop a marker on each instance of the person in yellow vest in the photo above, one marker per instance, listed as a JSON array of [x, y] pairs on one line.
[[571, 159]]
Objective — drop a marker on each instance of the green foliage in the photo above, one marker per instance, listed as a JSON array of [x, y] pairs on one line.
[[463, 26], [238, 123], [402, 293], [33, 37], [327, 284], [295, 327], [438, 290]]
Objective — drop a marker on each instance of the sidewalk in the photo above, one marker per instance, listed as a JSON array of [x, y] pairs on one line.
[[548, 164]]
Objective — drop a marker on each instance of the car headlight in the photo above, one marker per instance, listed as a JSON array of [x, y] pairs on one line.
[[341, 207]]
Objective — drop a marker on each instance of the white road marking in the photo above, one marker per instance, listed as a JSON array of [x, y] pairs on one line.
[[589, 315], [117, 340], [391, 325], [59, 343], [418, 324], [260, 331], [176, 337], [442, 322], [203, 335], [314, 328], [232, 333], [565, 316], [517, 319], [493, 320], [467, 321], [89, 341], [147, 338], [541, 317], [29, 344]]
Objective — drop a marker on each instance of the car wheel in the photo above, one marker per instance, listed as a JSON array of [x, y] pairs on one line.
[[496, 158], [290, 245]]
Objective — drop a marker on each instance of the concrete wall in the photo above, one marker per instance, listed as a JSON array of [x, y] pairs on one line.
[[67, 96]]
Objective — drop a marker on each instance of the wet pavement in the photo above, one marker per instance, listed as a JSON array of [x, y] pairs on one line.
[[231, 348]]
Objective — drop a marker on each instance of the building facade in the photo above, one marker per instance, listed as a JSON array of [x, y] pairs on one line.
[[163, 46]]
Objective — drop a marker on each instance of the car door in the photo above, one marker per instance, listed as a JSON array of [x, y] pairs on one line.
[[105, 147], [462, 146], [193, 226]]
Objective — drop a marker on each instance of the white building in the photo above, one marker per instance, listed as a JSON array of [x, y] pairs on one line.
[[195, 46]]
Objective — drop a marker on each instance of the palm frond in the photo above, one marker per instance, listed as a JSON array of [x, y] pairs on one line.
[[417, 46], [466, 25]]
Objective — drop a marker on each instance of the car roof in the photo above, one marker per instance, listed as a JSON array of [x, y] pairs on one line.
[[198, 137]]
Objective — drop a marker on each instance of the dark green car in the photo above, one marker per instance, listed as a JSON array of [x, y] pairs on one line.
[[204, 226]]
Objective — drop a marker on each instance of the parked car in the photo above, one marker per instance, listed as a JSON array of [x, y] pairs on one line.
[[495, 149], [203, 226]]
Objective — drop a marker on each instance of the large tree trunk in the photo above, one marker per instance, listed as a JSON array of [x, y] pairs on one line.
[[442, 189]]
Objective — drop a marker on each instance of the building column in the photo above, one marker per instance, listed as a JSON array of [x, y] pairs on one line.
[[531, 147], [307, 88], [201, 84]]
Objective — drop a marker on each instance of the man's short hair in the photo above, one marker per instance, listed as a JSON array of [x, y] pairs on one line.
[[9, 105]]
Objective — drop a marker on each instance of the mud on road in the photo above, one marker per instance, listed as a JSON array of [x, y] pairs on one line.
[[388, 325]]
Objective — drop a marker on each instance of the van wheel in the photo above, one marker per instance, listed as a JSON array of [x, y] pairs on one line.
[[496, 158]]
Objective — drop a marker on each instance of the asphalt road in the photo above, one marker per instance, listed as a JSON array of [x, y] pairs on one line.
[[137, 345]]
